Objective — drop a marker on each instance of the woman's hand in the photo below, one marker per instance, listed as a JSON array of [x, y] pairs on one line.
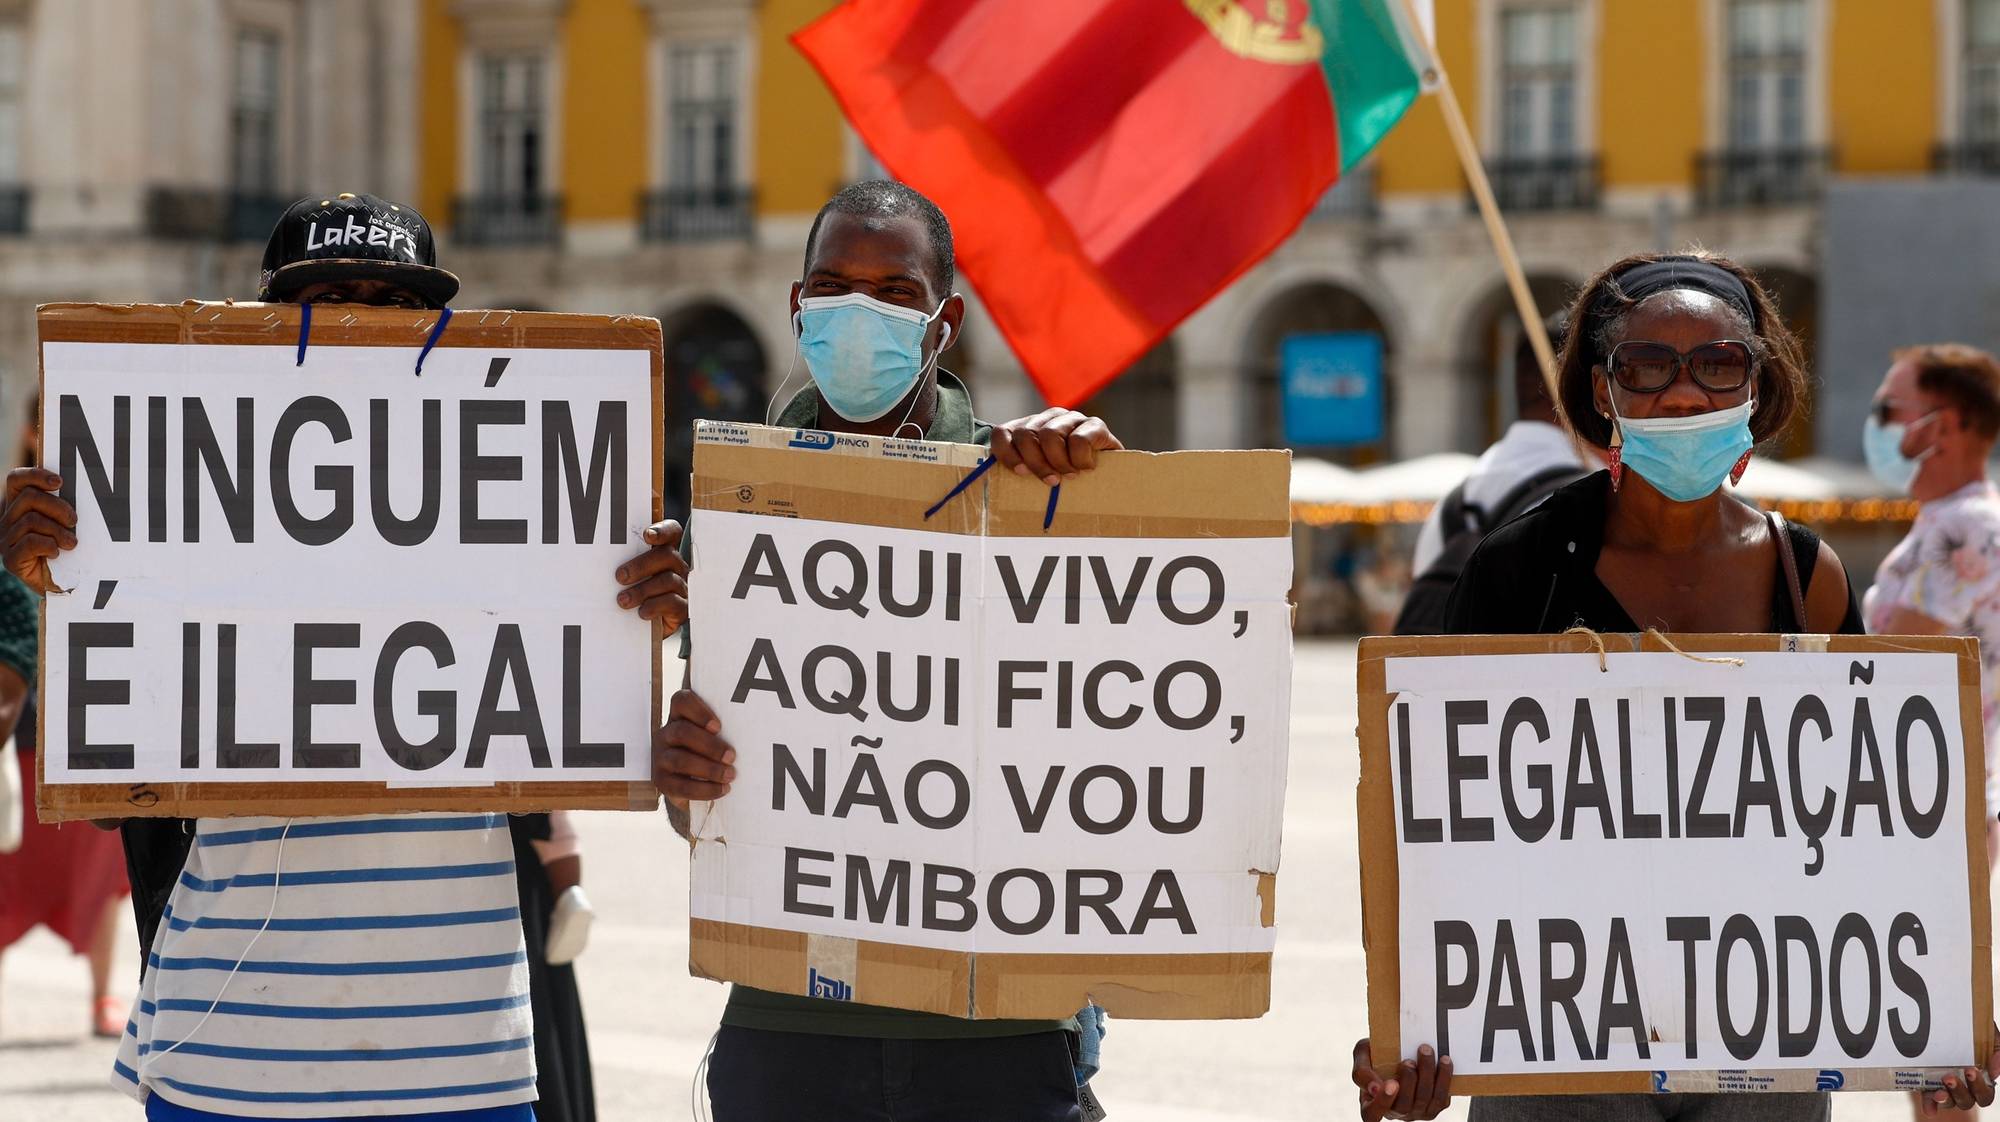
[[1964, 1090], [1418, 1089]]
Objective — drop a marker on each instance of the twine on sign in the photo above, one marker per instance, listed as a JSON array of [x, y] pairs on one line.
[[960, 488], [1596, 641], [305, 331], [444, 317], [1712, 660]]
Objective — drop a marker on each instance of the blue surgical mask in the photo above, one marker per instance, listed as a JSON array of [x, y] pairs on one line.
[[1882, 447], [864, 354], [1687, 458]]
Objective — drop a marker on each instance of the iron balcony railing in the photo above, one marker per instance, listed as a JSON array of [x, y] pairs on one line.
[[1760, 176], [1967, 158], [507, 219], [1350, 199], [687, 214], [1569, 182], [211, 214]]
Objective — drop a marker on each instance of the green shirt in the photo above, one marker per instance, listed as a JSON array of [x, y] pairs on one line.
[[780, 1012]]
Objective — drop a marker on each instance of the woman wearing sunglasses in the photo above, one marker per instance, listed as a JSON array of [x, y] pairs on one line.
[[1675, 366]]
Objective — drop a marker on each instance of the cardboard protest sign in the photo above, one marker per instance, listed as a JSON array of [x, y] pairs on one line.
[[311, 579], [1757, 862], [996, 755]]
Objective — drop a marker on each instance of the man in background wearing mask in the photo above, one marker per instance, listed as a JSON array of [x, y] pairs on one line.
[[874, 313], [1929, 434]]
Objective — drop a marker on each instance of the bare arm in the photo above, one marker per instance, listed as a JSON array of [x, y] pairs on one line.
[[1907, 621], [1827, 598]]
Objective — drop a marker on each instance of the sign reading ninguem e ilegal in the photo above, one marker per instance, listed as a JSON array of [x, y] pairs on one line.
[[986, 769], [307, 575], [1731, 866]]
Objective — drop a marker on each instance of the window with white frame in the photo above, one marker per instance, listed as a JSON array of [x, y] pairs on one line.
[[253, 114], [1538, 80], [703, 117], [513, 127], [13, 60], [1767, 74], [1979, 122]]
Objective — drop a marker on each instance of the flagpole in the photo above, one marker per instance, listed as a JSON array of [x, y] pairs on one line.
[[1489, 210]]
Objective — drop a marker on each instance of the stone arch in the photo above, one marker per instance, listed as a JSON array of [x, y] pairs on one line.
[[1308, 307], [716, 370], [1488, 335]]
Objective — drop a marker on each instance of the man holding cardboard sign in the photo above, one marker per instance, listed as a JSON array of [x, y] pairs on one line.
[[313, 964], [888, 772]]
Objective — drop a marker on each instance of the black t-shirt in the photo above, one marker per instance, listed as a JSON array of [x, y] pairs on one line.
[[1537, 575]]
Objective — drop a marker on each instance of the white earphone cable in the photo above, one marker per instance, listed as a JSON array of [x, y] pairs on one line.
[[277, 874]]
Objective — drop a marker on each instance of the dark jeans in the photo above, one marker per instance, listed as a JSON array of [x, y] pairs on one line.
[[757, 1076]]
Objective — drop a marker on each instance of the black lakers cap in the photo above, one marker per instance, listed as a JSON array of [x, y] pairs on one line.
[[353, 237]]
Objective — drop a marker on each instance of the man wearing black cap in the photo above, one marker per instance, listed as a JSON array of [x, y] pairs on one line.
[[354, 249], [396, 981]]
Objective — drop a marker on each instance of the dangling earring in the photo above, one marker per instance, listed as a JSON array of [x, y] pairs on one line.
[[1736, 473], [1614, 459]]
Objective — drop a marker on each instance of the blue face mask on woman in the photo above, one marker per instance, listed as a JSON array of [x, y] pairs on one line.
[[864, 354], [1687, 458]]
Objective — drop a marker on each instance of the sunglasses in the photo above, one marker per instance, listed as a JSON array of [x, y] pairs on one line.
[[1723, 366], [1884, 412]]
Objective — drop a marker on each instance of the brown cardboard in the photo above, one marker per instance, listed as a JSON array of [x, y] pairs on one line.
[[749, 468], [1376, 818], [348, 325]]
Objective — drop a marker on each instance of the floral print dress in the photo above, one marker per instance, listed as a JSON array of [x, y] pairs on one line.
[[1948, 568]]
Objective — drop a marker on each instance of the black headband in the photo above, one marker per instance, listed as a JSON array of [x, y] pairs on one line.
[[1672, 273]]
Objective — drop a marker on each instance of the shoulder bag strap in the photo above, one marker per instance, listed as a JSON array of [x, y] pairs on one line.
[[1781, 537]]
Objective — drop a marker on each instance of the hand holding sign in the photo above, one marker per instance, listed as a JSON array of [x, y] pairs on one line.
[[1052, 445], [654, 584], [1968, 1092], [1420, 1088], [690, 760], [35, 526]]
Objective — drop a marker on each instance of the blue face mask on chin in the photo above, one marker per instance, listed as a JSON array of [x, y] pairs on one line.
[[1687, 458], [865, 355]]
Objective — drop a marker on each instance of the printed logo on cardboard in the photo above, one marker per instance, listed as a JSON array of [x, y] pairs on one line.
[[809, 438], [833, 989]]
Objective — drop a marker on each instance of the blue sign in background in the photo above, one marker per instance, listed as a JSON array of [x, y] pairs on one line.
[[1333, 388]]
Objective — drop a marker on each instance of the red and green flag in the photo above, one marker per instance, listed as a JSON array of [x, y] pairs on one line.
[[1110, 165]]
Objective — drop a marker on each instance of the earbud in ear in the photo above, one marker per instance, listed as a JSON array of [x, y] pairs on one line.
[[944, 340], [798, 325]]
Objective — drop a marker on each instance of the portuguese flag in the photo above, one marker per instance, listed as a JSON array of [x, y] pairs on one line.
[[1109, 165]]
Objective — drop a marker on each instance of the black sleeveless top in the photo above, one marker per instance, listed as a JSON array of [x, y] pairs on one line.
[[1537, 575]]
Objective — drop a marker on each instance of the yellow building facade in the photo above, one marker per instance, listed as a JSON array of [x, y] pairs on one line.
[[1657, 70], [665, 156]]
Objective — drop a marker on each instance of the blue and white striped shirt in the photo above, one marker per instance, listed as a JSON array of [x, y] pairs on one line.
[[392, 978]]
